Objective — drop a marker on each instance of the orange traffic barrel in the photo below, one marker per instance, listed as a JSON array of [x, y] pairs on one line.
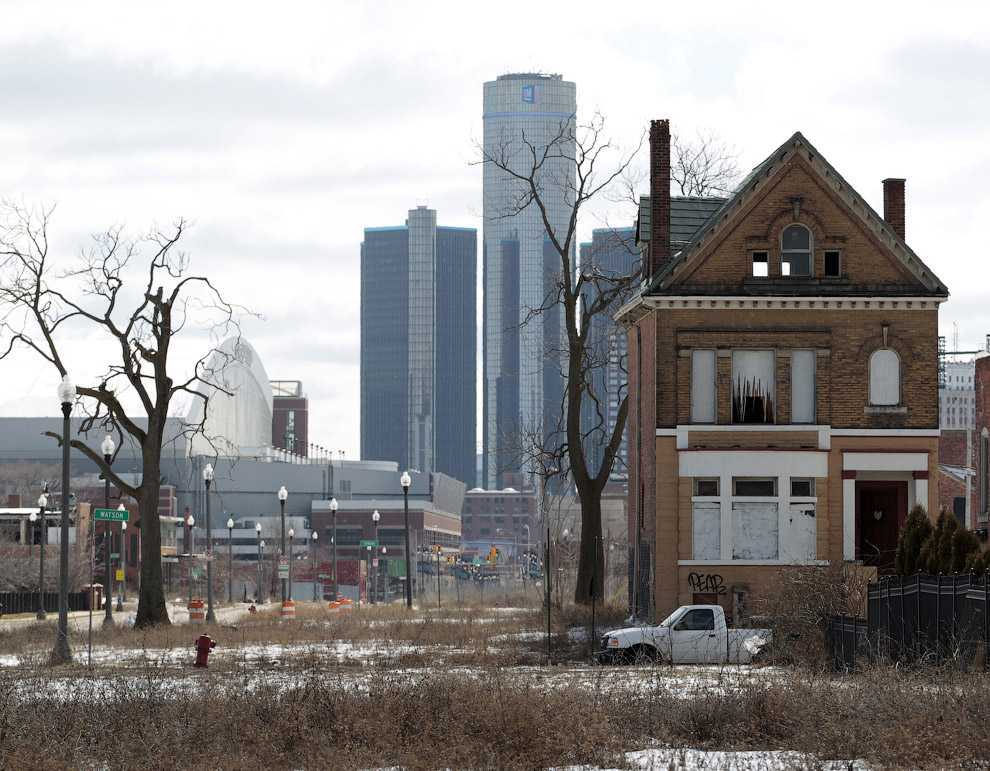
[[288, 609], [196, 613]]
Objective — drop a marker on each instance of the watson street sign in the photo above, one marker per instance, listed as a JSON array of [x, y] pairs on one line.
[[368, 543], [111, 515]]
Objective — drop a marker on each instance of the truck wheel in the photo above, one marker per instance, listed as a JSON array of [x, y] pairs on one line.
[[641, 654]]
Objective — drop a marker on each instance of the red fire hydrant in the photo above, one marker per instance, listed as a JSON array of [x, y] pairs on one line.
[[204, 644]]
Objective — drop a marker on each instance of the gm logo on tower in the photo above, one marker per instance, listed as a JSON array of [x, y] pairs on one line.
[[529, 94]]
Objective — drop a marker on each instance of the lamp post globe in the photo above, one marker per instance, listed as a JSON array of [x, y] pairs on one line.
[[62, 653], [405, 481], [375, 516], [42, 505], [333, 542], [208, 480]]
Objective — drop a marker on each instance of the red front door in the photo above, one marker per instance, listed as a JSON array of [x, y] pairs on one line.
[[881, 509]]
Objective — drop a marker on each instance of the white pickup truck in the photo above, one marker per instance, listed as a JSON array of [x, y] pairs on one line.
[[692, 634]]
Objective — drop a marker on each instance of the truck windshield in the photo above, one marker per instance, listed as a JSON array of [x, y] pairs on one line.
[[673, 618]]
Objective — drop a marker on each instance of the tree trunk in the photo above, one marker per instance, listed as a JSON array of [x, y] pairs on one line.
[[591, 572], [151, 600]]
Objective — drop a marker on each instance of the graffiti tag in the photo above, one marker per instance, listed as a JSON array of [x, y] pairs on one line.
[[706, 583]]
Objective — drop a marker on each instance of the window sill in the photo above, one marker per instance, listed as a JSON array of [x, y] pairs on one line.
[[885, 410]]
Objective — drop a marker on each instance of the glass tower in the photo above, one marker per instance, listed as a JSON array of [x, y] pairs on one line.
[[523, 386], [418, 345]]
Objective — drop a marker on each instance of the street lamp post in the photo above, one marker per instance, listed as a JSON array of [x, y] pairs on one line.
[[526, 561], [261, 545], [122, 584], [42, 505], [62, 654], [230, 560], [292, 534], [405, 480], [333, 544], [283, 494], [383, 570], [108, 448], [315, 536], [211, 617], [190, 521], [375, 516]]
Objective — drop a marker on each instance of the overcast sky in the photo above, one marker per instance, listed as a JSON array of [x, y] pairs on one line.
[[283, 130]]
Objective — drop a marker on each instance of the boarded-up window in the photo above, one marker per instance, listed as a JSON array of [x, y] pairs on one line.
[[752, 387], [803, 387], [755, 529], [885, 378], [702, 386], [802, 531], [706, 533]]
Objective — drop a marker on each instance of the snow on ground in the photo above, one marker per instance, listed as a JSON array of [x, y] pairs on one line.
[[663, 758]]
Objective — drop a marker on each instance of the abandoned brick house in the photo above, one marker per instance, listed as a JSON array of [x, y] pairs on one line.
[[783, 383]]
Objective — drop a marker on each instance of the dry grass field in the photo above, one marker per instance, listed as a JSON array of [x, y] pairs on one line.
[[454, 688]]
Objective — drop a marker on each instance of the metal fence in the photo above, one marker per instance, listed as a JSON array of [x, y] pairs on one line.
[[917, 619], [27, 602]]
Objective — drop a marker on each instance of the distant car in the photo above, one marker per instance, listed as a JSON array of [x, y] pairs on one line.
[[692, 634]]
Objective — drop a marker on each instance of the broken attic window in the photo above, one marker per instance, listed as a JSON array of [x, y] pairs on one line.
[[761, 264]]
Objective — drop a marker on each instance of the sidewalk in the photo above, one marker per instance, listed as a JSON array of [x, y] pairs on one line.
[[79, 619]]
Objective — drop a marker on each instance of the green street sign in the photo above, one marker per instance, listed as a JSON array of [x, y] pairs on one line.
[[369, 543], [111, 515]]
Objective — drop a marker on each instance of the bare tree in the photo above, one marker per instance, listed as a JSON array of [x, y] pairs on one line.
[[703, 167], [136, 295], [561, 454]]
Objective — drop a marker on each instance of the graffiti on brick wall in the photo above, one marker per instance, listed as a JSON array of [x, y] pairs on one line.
[[706, 583]]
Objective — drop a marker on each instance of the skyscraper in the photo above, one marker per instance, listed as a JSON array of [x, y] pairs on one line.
[[612, 252], [418, 345], [523, 386]]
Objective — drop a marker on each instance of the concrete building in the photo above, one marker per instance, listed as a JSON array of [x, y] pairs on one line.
[[507, 519], [290, 417], [956, 396], [418, 345], [522, 383], [784, 398]]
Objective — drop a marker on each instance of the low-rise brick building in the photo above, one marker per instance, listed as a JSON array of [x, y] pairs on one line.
[[783, 382]]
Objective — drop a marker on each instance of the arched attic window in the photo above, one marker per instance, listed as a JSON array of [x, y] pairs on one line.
[[885, 378], [795, 251]]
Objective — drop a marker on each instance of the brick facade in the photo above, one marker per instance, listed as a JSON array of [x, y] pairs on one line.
[[982, 441], [778, 494]]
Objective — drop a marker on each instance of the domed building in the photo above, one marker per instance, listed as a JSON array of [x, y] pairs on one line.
[[238, 405]]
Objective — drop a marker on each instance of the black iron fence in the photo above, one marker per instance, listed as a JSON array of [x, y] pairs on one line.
[[27, 602], [917, 619]]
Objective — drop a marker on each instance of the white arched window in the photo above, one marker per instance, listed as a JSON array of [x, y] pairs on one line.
[[795, 251], [885, 378]]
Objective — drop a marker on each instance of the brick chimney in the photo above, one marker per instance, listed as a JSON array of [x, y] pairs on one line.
[[893, 205], [659, 194]]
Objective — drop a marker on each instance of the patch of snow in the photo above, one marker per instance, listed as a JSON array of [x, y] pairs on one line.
[[663, 758]]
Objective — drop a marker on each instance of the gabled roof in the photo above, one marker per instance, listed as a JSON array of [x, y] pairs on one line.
[[754, 183], [687, 215]]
